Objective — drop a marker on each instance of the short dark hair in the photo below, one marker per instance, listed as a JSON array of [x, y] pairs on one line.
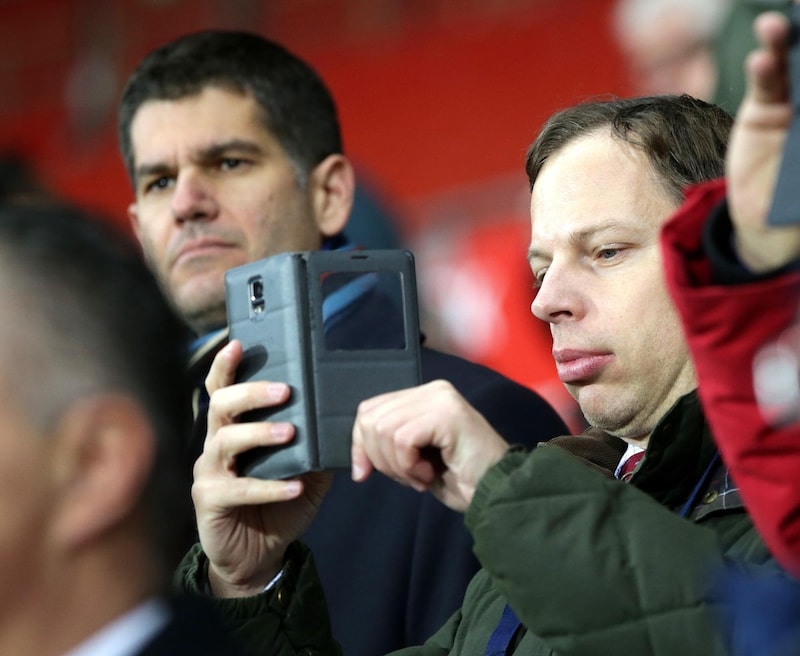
[[297, 108], [683, 138], [91, 318]]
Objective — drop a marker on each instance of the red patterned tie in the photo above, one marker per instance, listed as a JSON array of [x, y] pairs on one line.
[[629, 465]]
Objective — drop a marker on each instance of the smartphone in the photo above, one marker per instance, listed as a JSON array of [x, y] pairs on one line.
[[338, 327]]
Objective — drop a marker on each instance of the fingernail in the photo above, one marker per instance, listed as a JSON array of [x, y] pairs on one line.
[[281, 430], [293, 488], [358, 472], [276, 390]]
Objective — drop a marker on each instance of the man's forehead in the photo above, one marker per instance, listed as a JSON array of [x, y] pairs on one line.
[[190, 128], [597, 183], [216, 110]]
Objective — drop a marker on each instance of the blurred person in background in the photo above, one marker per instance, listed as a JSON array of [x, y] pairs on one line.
[[747, 267], [736, 281], [734, 42], [669, 44]]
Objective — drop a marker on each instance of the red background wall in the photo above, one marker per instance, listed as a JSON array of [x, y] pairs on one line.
[[433, 95], [438, 100]]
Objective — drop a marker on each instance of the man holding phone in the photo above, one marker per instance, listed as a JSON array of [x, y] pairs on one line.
[[574, 562]]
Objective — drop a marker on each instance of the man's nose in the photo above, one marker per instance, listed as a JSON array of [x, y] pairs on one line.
[[193, 198], [557, 298]]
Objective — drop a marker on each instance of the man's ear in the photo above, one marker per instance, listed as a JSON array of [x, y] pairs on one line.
[[332, 187], [133, 217], [104, 450]]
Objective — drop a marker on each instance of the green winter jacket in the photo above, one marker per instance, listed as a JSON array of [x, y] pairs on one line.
[[591, 565]]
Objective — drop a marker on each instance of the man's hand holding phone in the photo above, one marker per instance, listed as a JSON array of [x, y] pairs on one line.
[[245, 524]]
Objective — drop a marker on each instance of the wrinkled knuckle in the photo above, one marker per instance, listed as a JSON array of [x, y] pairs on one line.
[[368, 423], [441, 385], [404, 437], [199, 490], [214, 403], [198, 467]]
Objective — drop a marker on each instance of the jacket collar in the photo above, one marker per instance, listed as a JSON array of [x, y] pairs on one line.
[[678, 453], [203, 350]]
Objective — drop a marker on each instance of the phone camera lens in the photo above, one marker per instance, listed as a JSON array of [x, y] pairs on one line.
[[257, 291]]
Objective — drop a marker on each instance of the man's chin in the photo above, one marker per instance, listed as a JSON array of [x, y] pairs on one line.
[[202, 310], [202, 323], [597, 406]]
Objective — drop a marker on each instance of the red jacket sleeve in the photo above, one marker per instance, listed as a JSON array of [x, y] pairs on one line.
[[726, 326]]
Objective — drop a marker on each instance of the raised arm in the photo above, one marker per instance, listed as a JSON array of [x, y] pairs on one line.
[[756, 150]]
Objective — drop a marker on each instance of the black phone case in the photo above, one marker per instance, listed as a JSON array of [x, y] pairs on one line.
[[275, 308]]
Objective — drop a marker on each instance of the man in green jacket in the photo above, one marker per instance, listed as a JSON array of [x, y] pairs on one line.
[[574, 561]]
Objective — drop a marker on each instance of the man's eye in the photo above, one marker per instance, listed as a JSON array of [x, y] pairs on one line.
[[230, 163], [538, 278], [158, 184], [608, 253]]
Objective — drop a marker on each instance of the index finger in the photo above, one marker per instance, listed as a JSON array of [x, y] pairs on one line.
[[767, 67]]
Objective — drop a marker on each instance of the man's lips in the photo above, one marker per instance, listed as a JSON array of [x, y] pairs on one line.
[[574, 366], [201, 248]]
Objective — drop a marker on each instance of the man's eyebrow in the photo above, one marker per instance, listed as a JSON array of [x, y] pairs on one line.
[[214, 151], [534, 253], [578, 236], [208, 153], [611, 224], [148, 170]]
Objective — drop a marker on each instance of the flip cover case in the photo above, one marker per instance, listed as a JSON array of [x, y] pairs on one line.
[[277, 308]]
